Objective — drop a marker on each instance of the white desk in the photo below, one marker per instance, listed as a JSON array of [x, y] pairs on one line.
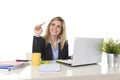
[[91, 72]]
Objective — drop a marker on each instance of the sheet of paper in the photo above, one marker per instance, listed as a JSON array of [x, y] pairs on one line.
[[49, 68]]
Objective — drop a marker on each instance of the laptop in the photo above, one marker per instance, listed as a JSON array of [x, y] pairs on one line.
[[85, 51]]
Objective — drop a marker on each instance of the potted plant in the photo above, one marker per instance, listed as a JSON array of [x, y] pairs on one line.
[[112, 48]]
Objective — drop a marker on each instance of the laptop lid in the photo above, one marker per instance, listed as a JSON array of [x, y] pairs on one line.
[[86, 51]]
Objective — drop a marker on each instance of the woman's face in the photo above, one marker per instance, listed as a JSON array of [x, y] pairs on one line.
[[55, 28]]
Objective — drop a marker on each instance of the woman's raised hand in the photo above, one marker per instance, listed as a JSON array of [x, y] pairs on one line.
[[38, 29]]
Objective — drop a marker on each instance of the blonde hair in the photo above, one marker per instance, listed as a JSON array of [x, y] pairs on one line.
[[62, 35]]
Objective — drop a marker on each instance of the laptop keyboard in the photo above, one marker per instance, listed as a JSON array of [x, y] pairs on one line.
[[68, 62]]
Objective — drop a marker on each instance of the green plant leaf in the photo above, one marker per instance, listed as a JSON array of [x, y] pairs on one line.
[[110, 46]]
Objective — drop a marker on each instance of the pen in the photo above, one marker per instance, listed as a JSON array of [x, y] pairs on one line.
[[21, 60]]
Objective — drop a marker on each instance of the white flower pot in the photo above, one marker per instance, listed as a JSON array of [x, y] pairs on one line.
[[113, 60]]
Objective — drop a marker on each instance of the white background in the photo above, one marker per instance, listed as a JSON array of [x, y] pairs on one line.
[[84, 18]]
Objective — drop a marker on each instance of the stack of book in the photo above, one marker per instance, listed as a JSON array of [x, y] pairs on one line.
[[10, 65]]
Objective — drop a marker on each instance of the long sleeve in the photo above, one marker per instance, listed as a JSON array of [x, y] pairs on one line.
[[64, 53], [38, 44]]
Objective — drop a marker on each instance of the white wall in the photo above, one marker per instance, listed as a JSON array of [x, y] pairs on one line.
[[84, 18]]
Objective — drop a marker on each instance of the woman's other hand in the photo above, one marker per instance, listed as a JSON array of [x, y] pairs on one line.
[[71, 56], [38, 30]]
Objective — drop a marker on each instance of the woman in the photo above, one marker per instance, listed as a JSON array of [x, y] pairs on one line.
[[53, 45]]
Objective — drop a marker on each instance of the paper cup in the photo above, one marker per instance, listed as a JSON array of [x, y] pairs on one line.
[[28, 55], [36, 59]]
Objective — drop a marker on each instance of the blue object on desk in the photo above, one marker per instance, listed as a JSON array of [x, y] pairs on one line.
[[8, 68]]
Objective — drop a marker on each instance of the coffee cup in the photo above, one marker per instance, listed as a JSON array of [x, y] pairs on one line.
[[36, 59]]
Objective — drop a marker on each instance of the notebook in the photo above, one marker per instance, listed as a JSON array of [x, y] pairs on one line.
[[85, 51], [49, 68]]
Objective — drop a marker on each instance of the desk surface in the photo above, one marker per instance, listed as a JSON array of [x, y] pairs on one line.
[[90, 72]]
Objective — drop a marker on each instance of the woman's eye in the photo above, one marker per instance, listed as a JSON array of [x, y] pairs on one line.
[[59, 27], [53, 24]]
